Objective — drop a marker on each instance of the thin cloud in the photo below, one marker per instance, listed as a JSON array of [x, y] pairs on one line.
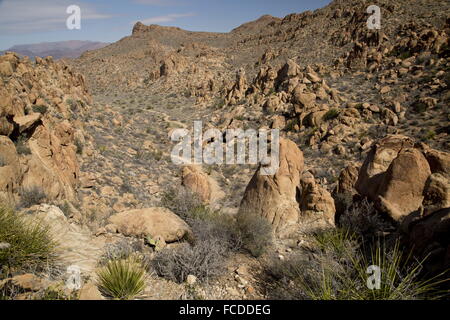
[[27, 16], [166, 18], [157, 2]]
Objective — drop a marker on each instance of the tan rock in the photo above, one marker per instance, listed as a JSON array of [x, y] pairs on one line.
[[26, 122], [197, 181], [401, 189], [90, 292], [274, 197], [316, 202], [378, 161], [151, 222], [347, 180], [437, 193], [6, 69]]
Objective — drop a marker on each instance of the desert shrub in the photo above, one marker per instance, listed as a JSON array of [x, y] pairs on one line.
[[122, 250], [331, 114], [364, 220], [55, 294], [40, 109], [429, 135], [204, 259], [22, 146], [255, 232], [215, 236], [30, 245], [204, 222], [79, 146], [419, 107], [181, 201], [338, 270], [122, 279], [290, 125], [30, 196]]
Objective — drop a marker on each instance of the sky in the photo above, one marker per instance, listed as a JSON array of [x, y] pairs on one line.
[[35, 21]]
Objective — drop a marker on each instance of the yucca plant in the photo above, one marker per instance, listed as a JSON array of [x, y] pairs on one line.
[[340, 271], [122, 279], [400, 276], [29, 243]]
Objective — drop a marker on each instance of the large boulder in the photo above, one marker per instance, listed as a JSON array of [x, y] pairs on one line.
[[153, 222], [401, 177], [274, 196], [378, 161], [401, 190]]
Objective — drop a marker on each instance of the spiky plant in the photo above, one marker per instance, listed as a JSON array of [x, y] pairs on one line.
[[28, 244], [122, 279]]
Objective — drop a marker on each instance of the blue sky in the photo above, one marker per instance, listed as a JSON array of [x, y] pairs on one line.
[[34, 21]]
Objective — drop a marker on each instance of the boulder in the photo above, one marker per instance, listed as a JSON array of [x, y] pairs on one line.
[[378, 161], [436, 193], [316, 203], [401, 190], [347, 180], [401, 177], [274, 197], [197, 181], [151, 222]]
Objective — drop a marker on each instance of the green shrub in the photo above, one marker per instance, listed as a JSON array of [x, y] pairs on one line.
[[31, 247], [30, 196], [255, 232], [40, 109], [122, 279], [290, 125], [79, 146], [419, 107], [331, 114], [429, 135]]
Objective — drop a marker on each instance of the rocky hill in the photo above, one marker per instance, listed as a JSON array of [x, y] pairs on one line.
[[364, 162]]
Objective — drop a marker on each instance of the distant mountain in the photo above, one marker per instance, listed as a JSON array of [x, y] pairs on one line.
[[58, 50]]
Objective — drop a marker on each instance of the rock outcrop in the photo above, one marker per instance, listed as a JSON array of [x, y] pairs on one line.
[[398, 175], [39, 103], [282, 200]]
